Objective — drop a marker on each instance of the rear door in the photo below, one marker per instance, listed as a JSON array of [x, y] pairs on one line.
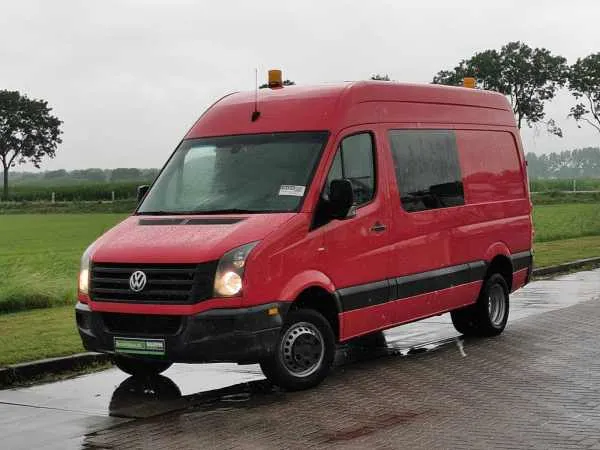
[[356, 250]]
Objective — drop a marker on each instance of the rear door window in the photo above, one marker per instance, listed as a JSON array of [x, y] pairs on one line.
[[427, 169]]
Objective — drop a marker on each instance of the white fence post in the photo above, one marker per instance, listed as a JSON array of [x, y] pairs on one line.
[[53, 197], [113, 195]]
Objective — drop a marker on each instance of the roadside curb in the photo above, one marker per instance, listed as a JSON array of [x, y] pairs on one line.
[[31, 370], [565, 267]]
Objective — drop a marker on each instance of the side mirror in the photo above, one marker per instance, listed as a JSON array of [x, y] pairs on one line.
[[341, 198], [141, 192]]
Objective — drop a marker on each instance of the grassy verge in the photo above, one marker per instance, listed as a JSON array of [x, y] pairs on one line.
[[42, 333], [566, 250], [39, 257]]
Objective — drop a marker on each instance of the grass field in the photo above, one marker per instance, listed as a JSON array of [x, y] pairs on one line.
[[554, 222], [39, 260], [39, 256], [557, 252], [37, 334]]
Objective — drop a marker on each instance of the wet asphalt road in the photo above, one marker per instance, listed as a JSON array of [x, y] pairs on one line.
[[62, 414]]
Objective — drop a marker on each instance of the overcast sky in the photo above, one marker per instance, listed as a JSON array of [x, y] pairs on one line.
[[129, 77]]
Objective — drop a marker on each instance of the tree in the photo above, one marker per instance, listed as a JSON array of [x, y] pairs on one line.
[[584, 83], [125, 174], [578, 163], [28, 132], [378, 77], [54, 174], [285, 83], [529, 77], [93, 175]]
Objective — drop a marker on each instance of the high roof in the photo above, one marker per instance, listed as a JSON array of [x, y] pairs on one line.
[[322, 107]]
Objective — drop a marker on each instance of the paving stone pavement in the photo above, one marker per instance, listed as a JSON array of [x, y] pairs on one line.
[[535, 386]]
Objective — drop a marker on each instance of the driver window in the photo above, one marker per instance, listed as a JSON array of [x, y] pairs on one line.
[[354, 161]]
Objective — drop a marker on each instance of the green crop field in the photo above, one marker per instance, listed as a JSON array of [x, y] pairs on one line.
[[39, 256]]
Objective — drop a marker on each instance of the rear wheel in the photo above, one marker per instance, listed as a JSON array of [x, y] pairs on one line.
[[304, 352], [489, 315], [140, 367]]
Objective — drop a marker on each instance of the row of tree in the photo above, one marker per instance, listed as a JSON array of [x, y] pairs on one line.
[[530, 77], [580, 163], [65, 177]]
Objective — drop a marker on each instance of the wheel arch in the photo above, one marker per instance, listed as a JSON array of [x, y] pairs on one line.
[[322, 301], [502, 265]]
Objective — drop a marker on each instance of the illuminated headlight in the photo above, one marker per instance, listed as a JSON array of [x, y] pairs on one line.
[[230, 271], [84, 272]]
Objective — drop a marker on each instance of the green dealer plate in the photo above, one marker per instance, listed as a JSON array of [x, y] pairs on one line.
[[155, 347]]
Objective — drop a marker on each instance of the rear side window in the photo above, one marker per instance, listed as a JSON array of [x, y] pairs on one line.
[[491, 166], [354, 161], [427, 169]]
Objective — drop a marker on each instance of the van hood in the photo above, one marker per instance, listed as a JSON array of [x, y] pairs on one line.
[[182, 239]]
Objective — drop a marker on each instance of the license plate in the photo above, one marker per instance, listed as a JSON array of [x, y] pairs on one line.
[[152, 347]]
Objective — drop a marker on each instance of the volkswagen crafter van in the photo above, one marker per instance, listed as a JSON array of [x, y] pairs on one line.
[[285, 224]]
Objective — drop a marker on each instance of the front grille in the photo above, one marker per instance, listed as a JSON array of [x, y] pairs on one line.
[[166, 283], [141, 324]]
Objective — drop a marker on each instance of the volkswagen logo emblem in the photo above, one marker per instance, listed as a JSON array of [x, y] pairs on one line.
[[137, 281]]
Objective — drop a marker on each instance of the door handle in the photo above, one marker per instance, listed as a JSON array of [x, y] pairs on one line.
[[378, 227]]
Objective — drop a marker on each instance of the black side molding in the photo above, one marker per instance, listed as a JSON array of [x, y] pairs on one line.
[[522, 260], [364, 295], [384, 291]]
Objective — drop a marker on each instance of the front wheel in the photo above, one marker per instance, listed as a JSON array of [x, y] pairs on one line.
[[140, 367], [304, 352], [489, 315]]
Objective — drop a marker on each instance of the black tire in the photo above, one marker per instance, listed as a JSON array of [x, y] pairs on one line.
[[481, 319], [140, 367], [304, 352]]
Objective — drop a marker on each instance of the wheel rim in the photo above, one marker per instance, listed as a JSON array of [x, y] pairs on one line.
[[302, 349], [496, 305]]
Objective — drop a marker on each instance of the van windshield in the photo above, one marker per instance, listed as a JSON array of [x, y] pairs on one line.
[[237, 174]]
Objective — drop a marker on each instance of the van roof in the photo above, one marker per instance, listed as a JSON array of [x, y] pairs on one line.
[[330, 106]]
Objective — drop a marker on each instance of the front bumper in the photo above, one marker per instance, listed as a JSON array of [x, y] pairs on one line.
[[243, 335]]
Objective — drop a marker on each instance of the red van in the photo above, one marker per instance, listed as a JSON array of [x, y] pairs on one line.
[[292, 220]]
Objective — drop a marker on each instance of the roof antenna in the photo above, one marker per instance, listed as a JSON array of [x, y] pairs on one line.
[[256, 112]]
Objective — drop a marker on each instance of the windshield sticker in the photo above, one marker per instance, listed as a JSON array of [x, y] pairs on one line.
[[290, 189]]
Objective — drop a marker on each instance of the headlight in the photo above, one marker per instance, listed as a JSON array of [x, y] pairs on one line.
[[84, 271], [230, 271]]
